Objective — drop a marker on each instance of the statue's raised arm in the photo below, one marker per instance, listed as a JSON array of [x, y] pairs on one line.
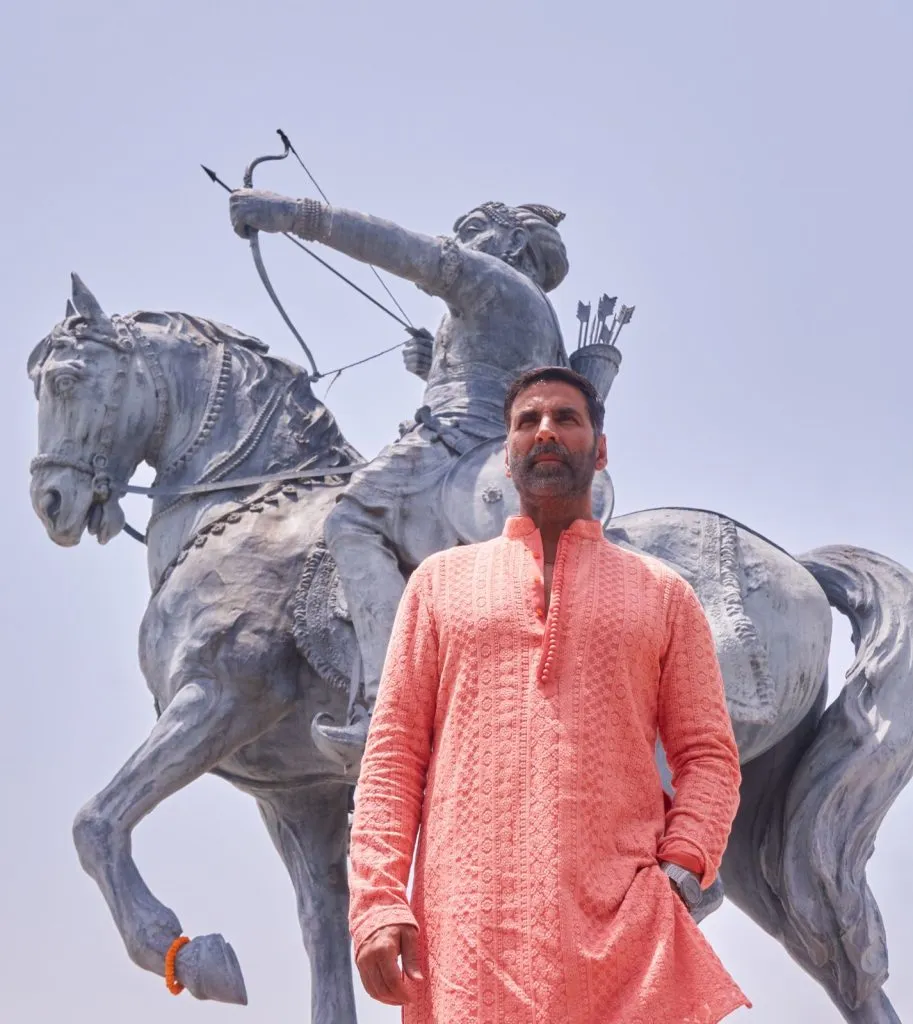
[[489, 243], [493, 273]]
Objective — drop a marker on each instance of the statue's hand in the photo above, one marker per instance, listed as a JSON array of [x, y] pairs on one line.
[[417, 354], [253, 210]]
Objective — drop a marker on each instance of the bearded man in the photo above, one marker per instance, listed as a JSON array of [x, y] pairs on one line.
[[493, 275], [526, 683]]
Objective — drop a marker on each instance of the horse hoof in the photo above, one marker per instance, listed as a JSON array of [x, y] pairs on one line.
[[209, 969]]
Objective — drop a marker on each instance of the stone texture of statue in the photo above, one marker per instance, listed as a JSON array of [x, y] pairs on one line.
[[247, 643], [493, 275]]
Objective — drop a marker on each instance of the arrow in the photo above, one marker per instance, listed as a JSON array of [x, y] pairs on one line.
[[286, 141]]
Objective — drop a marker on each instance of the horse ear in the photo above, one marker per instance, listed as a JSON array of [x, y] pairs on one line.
[[85, 302], [71, 309]]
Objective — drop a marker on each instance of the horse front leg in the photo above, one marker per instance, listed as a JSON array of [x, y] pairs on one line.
[[310, 829], [201, 726]]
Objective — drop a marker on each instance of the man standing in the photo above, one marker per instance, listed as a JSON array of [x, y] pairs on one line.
[[525, 685], [493, 275]]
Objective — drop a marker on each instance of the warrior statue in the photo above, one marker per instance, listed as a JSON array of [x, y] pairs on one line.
[[241, 663], [494, 275]]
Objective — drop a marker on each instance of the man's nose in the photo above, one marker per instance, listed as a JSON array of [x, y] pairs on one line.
[[546, 431]]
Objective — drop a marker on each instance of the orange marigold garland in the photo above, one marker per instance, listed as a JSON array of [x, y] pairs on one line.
[[174, 986]]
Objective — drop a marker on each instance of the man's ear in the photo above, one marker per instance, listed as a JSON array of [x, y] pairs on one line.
[[506, 460], [602, 454]]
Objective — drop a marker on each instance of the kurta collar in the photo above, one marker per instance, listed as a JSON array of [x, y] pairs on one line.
[[516, 527]]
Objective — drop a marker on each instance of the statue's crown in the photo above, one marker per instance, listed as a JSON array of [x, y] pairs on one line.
[[547, 213], [506, 216]]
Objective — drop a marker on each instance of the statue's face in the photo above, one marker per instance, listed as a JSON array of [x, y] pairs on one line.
[[478, 231]]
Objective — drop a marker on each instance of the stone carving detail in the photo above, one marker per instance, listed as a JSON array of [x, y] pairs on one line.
[[248, 643], [321, 617]]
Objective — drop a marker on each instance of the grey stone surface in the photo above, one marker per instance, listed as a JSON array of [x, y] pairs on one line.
[[217, 642], [493, 275], [248, 636]]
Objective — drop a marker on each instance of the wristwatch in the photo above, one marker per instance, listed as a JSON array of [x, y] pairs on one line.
[[685, 881]]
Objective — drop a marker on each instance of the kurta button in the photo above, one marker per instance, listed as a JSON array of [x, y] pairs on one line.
[[540, 611]]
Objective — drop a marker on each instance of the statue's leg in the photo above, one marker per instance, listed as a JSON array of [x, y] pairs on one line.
[[387, 520], [358, 538], [201, 726], [310, 829]]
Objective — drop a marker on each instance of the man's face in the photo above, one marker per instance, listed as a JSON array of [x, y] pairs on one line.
[[478, 231], [552, 451]]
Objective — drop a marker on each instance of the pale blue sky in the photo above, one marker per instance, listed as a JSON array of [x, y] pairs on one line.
[[741, 172]]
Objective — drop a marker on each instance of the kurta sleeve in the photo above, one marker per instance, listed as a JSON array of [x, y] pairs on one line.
[[391, 785], [696, 732]]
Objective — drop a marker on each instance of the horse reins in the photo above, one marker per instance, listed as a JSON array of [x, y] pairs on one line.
[[127, 341]]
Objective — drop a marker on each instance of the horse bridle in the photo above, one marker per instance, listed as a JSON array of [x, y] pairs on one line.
[[127, 341]]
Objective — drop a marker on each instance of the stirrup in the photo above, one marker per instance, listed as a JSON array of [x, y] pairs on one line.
[[342, 744]]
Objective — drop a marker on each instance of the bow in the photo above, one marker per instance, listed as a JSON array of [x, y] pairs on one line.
[[404, 321], [258, 256]]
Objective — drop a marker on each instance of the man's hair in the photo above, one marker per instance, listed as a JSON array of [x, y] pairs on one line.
[[564, 374]]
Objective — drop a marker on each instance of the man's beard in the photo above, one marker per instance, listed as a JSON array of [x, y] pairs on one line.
[[572, 476]]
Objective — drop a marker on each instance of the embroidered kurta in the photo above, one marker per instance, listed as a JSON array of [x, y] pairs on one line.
[[522, 742]]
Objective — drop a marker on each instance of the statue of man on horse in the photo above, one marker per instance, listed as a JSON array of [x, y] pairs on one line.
[[246, 643], [493, 274]]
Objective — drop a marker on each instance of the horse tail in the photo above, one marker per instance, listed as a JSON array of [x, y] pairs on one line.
[[858, 760]]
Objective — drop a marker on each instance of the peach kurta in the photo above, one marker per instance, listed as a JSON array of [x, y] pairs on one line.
[[523, 743]]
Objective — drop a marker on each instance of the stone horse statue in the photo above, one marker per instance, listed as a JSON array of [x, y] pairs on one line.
[[246, 639]]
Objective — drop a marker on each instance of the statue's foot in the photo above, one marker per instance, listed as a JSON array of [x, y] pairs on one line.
[[208, 968], [342, 744]]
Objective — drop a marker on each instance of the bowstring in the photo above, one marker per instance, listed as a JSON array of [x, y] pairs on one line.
[[403, 321], [358, 362], [338, 371], [286, 141]]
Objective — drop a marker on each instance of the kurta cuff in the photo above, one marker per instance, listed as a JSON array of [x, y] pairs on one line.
[[380, 919], [689, 861], [688, 855]]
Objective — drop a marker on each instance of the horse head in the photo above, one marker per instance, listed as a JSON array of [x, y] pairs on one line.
[[98, 413]]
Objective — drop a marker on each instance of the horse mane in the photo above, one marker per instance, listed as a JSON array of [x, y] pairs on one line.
[[181, 327], [192, 328]]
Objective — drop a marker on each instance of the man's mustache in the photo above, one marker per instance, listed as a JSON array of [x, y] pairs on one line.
[[547, 449]]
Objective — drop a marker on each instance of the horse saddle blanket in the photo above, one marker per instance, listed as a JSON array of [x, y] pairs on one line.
[[706, 553]]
